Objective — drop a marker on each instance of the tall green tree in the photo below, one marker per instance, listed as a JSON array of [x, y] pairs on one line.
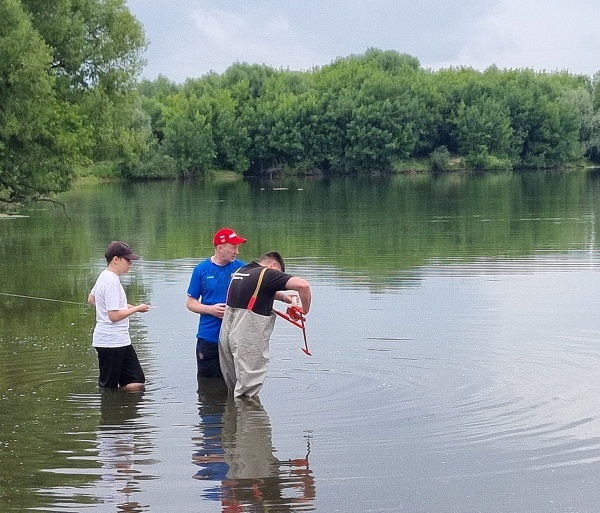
[[69, 70], [38, 132], [587, 101], [484, 134], [96, 58], [94, 43], [230, 136], [188, 134]]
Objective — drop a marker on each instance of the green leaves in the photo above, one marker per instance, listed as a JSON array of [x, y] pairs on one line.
[[67, 77], [29, 124], [368, 113]]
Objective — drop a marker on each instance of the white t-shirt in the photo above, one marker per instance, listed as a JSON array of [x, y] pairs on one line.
[[110, 295]]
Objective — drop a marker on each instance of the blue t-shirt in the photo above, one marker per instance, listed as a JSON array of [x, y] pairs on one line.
[[209, 284]]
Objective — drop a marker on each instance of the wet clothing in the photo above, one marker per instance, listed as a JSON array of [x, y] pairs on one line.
[[247, 327], [244, 350], [119, 366], [208, 284], [207, 358]]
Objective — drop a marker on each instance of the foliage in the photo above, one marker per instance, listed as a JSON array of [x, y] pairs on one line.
[[440, 159], [68, 73], [36, 128], [156, 165], [369, 113], [76, 101]]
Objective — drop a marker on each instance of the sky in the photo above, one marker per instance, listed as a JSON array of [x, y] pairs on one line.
[[189, 38]]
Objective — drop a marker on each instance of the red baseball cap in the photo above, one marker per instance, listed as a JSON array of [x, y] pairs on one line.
[[227, 235]]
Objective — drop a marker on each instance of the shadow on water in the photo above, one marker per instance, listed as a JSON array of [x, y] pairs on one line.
[[235, 456]]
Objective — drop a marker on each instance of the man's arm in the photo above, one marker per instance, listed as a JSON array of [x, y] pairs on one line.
[[303, 288], [194, 305]]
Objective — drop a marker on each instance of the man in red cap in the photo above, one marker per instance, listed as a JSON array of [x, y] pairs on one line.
[[117, 359], [206, 296]]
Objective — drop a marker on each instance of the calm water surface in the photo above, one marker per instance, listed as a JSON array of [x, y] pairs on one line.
[[454, 333]]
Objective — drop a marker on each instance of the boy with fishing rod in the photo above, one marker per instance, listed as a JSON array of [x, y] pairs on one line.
[[117, 360]]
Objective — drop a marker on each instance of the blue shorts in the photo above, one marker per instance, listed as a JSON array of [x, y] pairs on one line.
[[207, 358], [119, 366]]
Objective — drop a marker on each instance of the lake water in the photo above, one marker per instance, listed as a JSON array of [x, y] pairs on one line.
[[454, 333]]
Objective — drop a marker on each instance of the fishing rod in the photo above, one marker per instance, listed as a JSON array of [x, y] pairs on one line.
[[42, 299], [49, 299], [295, 316]]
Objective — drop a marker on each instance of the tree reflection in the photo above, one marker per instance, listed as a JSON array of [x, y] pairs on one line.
[[235, 450]]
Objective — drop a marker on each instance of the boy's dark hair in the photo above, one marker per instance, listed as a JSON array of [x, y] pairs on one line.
[[273, 256]]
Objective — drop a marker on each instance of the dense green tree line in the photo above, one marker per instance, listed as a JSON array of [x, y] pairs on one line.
[[369, 112], [69, 96], [68, 71]]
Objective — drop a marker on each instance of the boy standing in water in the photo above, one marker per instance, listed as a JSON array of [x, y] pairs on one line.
[[117, 359]]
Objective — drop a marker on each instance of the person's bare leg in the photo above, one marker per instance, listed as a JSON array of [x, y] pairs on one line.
[[132, 387]]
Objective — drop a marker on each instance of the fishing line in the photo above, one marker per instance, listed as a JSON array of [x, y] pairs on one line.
[[49, 299], [42, 299]]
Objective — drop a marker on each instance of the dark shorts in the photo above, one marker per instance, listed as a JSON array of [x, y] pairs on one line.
[[119, 366], [207, 357]]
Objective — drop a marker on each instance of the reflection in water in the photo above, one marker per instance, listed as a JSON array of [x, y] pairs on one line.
[[116, 445], [461, 360], [212, 399], [102, 466], [235, 448]]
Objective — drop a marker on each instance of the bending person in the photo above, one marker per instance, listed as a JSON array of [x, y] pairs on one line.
[[249, 321]]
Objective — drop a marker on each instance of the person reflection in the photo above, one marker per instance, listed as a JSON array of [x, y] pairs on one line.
[[236, 449], [212, 397], [117, 447]]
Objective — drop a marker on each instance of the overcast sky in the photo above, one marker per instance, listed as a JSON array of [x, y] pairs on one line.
[[189, 38]]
